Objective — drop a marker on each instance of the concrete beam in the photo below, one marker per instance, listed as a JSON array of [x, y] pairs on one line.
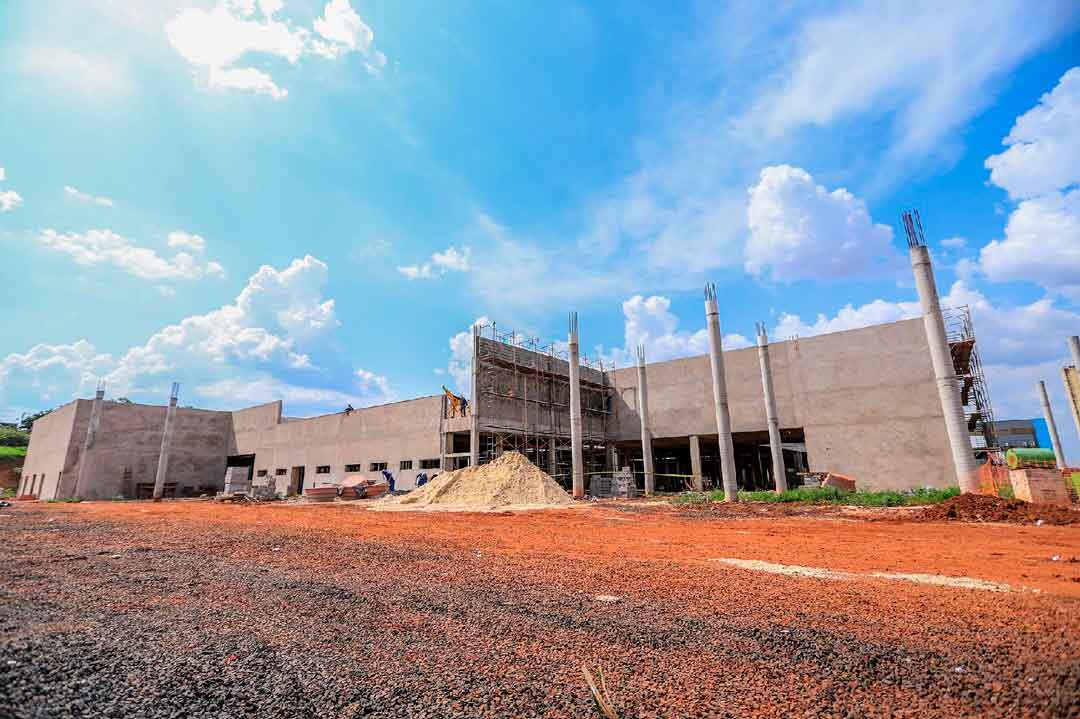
[[1051, 425], [720, 397], [775, 447], [695, 463], [947, 382], [575, 410], [166, 444]]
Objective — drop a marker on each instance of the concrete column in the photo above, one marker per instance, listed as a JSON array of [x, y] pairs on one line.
[[947, 381], [553, 464], [575, 410], [1051, 425], [166, 445], [88, 443], [1074, 401], [695, 463], [775, 446], [474, 411], [720, 399], [646, 430]]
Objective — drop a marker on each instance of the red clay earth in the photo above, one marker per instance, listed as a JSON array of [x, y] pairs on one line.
[[195, 609], [982, 508]]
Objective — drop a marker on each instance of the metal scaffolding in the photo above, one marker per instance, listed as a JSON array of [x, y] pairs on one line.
[[974, 392], [523, 401]]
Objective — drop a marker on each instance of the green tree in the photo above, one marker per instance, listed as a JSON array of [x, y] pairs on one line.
[[13, 437], [26, 421]]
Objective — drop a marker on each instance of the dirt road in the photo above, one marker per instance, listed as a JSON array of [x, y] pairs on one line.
[[191, 609]]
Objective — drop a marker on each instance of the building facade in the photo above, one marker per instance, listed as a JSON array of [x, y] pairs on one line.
[[862, 402]]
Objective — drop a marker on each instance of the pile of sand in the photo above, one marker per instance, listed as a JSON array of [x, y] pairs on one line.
[[509, 481], [983, 508]]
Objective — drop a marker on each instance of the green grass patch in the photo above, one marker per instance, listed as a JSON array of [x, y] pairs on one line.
[[12, 451], [66, 500], [831, 495]]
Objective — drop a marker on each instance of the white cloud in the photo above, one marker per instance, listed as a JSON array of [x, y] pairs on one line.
[[849, 317], [77, 194], [94, 75], [1042, 236], [274, 341], [450, 260], [1044, 144], [799, 230], [179, 240], [460, 365], [96, 247], [954, 242], [649, 321], [218, 40], [1042, 244], [9, 200], [3, 174], [933, 64]]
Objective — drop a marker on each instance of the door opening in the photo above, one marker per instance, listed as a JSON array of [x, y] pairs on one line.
[[298, 479]]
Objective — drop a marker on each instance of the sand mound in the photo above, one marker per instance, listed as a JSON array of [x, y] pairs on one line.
[[983, 508], [511, 480]]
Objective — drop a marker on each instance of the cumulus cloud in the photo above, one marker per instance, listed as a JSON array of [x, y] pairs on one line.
[[1042, 236], [76, 194], [97, 247], [218, 40], [94, 75], [274, 341], [450, 260], [1041, 244], [9, 200], [460, 365], [954, 243], [1044, 144], [179, 240], [801, 231], [649, 321]]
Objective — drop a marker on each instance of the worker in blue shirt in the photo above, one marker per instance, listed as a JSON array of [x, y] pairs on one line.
[[389, 476]]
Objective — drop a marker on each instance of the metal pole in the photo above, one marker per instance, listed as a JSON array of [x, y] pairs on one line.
[[695, 463], [646, 432], [945, 373], [166, 444], [775, 447], [474, 417], [91, 438], [575, 410], [720, 399], [1051, 426]]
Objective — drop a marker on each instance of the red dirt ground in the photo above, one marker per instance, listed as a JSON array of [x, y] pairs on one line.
[[348, 612]]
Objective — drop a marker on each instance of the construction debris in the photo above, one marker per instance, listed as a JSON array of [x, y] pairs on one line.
[[981, 508], [509, 481]]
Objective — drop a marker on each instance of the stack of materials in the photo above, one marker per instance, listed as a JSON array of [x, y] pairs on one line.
[[510, 481], [1035, 477], [321, 494]]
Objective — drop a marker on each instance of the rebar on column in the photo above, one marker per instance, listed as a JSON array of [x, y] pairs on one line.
[[720, 398], [948, 382]]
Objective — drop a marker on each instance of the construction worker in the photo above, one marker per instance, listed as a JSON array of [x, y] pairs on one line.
[[421, 479], [464, 406], [389, 477]]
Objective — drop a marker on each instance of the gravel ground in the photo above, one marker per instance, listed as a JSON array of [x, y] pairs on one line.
[[189, 609]]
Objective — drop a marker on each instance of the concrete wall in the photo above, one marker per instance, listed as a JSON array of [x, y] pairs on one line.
[[50, 451], [865, 398], [388, 433], [126, 450]]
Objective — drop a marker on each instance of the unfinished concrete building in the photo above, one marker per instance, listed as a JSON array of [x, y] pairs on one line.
[[862, 402]]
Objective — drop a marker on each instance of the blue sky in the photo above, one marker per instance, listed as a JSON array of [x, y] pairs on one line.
[[303, 200]]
